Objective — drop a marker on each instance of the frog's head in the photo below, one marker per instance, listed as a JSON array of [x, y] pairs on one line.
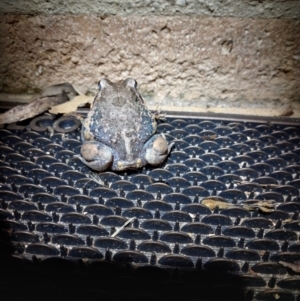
[[106, 83], [118, 93]]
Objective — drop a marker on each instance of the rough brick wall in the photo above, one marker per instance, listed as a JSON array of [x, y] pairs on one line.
[[182, 53]]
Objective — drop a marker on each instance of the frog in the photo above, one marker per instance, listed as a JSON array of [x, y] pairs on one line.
[[120, 132]]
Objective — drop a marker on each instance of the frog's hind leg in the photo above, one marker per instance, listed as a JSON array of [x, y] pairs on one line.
[[156, 150], [96, 155]]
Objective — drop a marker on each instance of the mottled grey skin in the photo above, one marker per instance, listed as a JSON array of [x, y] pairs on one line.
[[119, 131]]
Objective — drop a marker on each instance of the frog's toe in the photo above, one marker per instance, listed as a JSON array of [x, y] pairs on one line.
[[157, 151], [95, 155]]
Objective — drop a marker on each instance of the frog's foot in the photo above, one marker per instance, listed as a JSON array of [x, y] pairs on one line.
[[157, 150], [96, 155], [157, 115]]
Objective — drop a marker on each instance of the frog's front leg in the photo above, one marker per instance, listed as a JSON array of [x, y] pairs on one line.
[[156, 150], [96, 155]]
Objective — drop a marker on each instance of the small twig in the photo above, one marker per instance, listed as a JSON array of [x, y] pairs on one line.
[[125, 224], [96, 178]]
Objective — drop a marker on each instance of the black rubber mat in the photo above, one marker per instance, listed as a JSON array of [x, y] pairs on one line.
[[170, 220]]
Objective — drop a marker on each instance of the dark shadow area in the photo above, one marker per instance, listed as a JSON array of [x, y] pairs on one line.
[[57, 278]]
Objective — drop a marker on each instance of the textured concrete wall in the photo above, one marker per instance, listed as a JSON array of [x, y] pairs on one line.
[[225, 54], [216, 8]]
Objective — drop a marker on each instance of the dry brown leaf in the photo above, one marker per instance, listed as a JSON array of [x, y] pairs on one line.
[[32, 109], [57, 89], [49, 97], [266, 206], [72, 105], [293, 266], [288, 111], [287, 221], [265, 209], [209, 137], [212, 204]]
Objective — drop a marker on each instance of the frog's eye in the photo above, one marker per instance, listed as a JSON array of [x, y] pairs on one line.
[[130, 82], [104, 83], [101, 84]]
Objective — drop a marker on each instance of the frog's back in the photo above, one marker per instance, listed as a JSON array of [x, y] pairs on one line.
[[120, 120]]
